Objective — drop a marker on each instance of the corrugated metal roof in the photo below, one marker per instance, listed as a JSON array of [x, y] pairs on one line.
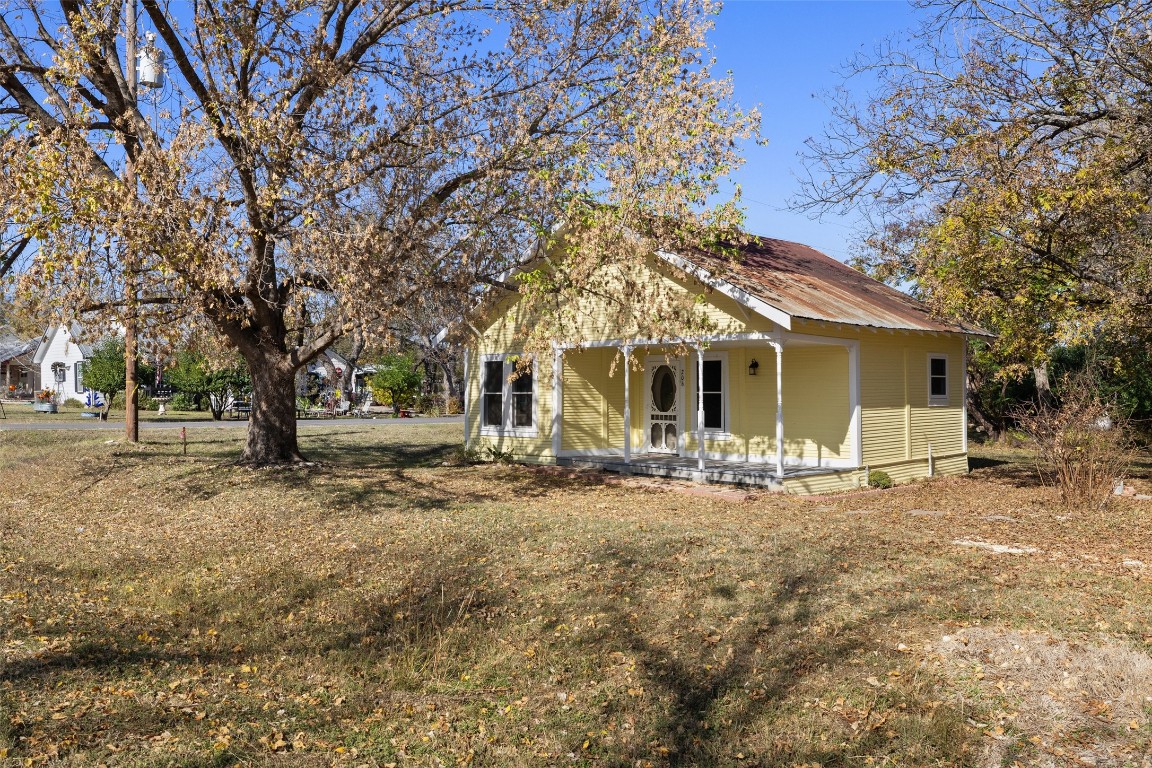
[[804, 283], [13, 346]]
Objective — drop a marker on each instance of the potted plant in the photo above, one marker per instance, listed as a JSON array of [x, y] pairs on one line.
[[45, 401]]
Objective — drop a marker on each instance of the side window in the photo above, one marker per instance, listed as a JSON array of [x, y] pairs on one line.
[[522, 410], [492, 394], [937, 380], [79, 378], [507, 403]]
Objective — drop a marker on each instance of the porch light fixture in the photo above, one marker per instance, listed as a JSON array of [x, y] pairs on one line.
[[752, 366]]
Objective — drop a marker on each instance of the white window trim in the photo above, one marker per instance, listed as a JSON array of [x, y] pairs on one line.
[[946, 398], [725, 431], [78, 373], [504, 430]]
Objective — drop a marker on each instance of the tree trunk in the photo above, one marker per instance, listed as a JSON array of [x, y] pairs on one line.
[[976, 413], [1043, 386], [451, 384], [272, 424]]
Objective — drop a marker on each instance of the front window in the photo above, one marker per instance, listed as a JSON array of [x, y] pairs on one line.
[[712, 391], [937, 380], [508, 394]]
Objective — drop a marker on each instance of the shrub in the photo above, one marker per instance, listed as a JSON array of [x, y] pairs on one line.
[[454, 406], [498, 456], [182, 402], [73, 403], [461, 456], [878, 478], [430, 405], [1082, 442]]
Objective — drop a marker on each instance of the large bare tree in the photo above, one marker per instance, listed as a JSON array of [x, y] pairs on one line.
[[315, 166]]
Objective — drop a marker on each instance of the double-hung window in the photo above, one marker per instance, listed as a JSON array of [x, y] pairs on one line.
[[713, 388], [937, 380], [79, 372], [507, 395]]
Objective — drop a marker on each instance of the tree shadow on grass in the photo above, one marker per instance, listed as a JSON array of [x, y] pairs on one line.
[[715, 690]]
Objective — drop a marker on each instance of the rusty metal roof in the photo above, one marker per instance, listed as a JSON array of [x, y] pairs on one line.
[[804, 283]]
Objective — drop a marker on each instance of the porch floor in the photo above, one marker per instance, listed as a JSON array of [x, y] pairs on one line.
[[685, 468]]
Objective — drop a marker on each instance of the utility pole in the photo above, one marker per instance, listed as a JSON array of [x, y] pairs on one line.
[[131, 384]]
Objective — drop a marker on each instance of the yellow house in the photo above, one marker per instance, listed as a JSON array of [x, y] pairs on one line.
[[815, 375]]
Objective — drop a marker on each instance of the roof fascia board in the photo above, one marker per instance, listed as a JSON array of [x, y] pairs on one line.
[[719, 337], [760, 307], [42, 350]]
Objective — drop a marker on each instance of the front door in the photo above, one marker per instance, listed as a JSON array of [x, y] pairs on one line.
[[665, 382]]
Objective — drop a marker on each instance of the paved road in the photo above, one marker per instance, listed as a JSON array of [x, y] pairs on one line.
[[145, 426]]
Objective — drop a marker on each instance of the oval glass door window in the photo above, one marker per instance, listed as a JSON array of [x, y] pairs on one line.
[[663, 389]]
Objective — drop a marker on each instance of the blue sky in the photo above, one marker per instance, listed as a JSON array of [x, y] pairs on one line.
[[784, 54]]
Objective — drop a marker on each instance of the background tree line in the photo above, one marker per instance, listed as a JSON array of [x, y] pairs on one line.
[[1000, 168]]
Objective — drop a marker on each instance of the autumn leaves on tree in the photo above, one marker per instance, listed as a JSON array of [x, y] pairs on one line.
[[311, 168], [1002, 168]]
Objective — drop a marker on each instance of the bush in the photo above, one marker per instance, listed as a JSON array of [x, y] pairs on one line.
[[461, 456], [1082, 442], [73, 403], [454, 406], [430, 405], [878, 478], [182, 402]]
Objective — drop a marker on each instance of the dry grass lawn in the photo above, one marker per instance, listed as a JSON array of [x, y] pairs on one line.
[[382, 609]]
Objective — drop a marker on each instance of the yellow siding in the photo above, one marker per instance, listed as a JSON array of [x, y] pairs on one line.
[[830, 482], [593, 401], [817, 417], [506, 322]]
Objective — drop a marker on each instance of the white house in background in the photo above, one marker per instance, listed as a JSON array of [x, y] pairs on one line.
[[340, 364], [61, 359]]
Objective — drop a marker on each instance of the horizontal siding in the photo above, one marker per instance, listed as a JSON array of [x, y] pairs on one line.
[[585, 380], [816, 413], [898, 424], [917, 469], [848, 480], [506, 324]]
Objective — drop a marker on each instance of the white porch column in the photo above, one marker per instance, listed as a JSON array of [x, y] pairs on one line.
[[700, 408], [557, 399], [627, 404], [855, 428], [467, 399], [964, 397], [779, 408]]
